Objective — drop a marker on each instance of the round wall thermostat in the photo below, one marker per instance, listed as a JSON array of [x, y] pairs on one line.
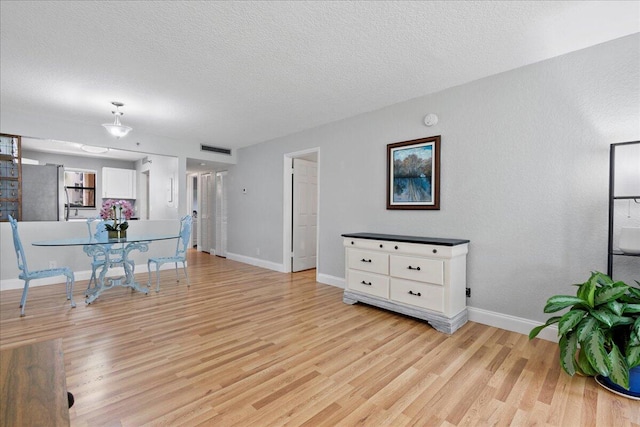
[[430, 119]]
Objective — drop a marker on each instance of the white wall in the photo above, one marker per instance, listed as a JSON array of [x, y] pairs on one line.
[[524, 176], [164, 184]]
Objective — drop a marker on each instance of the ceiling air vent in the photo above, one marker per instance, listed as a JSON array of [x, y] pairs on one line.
[[213, 149]]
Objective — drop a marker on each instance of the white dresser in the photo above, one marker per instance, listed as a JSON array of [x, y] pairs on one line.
[[418, 276]]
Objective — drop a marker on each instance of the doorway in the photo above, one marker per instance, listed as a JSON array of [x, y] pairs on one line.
[[301, 199]]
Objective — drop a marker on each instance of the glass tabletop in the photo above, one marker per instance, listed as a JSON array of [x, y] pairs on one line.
[[81, 241]]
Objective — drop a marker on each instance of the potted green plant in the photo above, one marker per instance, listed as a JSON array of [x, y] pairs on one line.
[[600, 333]]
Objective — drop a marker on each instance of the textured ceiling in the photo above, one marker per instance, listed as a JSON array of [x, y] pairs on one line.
[[233, 74]]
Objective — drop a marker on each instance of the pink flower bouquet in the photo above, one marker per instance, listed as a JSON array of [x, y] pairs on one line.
[[120, 211]]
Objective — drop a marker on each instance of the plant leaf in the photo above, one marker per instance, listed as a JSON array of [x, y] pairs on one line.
[[610, 293], [601, 278], [558, 302], [568, 347], [603, 316], [633, 356], [616, 307], [585, 328], [570, 320], [596, 353], [584, 365], [634, 334], [619, 372], [535, 331], [634, 291], [632, 308], [621, 320], [587, 291]]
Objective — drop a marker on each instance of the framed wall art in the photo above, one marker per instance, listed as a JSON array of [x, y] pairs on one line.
[[413, 174]]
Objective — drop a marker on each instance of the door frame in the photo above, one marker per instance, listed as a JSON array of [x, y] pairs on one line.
[[209, 217], [190, 179], [222, 204], [287, 206]]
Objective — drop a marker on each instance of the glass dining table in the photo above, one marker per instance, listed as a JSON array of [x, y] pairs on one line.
[[104, 248]]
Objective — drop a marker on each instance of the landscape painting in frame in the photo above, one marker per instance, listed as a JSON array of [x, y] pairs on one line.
[[413, 174]]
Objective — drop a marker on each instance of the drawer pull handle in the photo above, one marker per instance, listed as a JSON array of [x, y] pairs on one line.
[[396, 247], [365, 283], [416, 294], [381, 246], [435, 251], [414, 268], [365, 260]]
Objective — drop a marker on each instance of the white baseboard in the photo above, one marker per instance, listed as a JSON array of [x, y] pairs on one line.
[[511, 323], [256, 262], [338, 282], [8, 284], [478, 315]]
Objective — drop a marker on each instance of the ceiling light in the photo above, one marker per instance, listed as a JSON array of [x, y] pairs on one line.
[[116, 128], [93, 149]]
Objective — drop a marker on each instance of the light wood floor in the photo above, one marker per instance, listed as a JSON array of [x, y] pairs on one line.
[[251, 347]]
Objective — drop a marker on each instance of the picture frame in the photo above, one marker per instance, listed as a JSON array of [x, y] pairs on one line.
[[413, 174]]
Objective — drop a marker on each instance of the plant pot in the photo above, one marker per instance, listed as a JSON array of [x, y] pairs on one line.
[[634, 384], [117, 234]]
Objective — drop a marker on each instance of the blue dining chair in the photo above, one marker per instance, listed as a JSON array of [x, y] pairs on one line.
[[179, 256], [111, 256], [27, 275]]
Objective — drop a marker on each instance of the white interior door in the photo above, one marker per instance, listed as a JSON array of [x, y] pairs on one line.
[[304, 215], [221, 214], [205, 242]]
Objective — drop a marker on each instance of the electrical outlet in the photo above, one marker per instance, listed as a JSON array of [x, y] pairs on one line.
[[468, 292], [53, 264]]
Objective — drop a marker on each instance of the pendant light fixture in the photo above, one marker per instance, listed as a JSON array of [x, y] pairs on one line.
[[116, 128]]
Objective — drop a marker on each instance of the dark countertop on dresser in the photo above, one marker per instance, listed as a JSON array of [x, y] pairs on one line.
[[408, 239]]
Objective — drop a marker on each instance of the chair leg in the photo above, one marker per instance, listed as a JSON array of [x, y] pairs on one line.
[[23, 300], [184, 266], [149, 272], [177, 276], [157, 277], [70, 283]]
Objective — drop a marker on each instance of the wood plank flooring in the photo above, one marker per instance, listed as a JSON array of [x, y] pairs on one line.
[[252, 347]]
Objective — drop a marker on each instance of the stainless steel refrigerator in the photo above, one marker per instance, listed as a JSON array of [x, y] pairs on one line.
[[43, 195]]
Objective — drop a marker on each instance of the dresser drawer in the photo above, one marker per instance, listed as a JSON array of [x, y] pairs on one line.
[[422, 295], [374, 262], [368, 283], [420, 269]]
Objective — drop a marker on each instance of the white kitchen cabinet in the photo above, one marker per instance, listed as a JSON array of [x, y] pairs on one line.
[[118, 183], [416, 276]]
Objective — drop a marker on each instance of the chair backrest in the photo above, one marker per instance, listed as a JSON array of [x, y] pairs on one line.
[[185, 235], [100, 229], [22, 260]]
